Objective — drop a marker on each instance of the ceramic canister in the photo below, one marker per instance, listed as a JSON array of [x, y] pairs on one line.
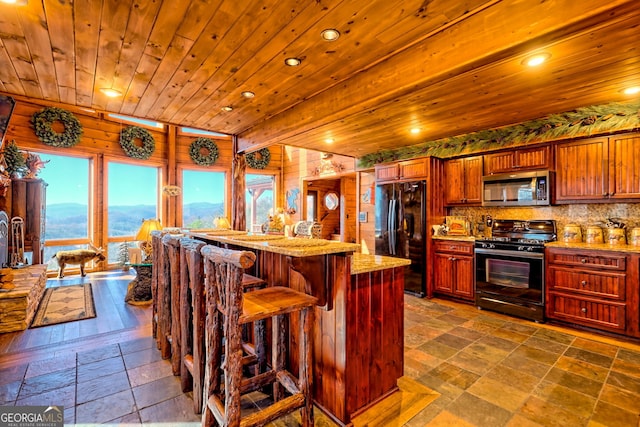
[[634, 236], [594, 234], [572, 233], [617, 236]]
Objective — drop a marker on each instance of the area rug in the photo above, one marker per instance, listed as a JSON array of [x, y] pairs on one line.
[[65, 304]]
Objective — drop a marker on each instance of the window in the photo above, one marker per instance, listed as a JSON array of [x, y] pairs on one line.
[[132, 196], [259, 200], [202, 198], [67, 223], [312, 205], [137, 121]]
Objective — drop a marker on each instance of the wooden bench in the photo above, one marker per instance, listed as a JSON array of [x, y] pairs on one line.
[[19, 305]]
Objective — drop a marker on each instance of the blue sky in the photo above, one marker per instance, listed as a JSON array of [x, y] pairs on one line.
[[68, 182]]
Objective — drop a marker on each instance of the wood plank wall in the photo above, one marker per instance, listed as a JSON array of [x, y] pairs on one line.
[[366, 230], [100, 141], [292, 166]]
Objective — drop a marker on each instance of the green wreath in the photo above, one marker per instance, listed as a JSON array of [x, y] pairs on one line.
[[127, 142], [43, 120], [258, 163], [206, 144]]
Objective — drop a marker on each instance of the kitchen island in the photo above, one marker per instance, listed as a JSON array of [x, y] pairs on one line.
[[359, 332]]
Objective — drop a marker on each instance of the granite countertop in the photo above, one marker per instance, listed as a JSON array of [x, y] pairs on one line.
[[459, 238], [595, 247], [365, 263], [279, 244]]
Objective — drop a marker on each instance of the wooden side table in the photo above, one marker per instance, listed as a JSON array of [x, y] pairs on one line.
[[139, 289]]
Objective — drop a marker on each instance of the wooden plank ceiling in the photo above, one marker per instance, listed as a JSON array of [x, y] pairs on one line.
[[446, 67]]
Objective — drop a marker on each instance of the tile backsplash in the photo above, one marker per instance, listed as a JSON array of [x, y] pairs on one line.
[[583, 214]]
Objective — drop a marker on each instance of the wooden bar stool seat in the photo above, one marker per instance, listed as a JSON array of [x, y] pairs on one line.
[[228, 308]]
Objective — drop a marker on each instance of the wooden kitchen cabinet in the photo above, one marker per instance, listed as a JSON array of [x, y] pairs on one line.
[[598, 169], [463, 181], [519, 159], [624, 166], [453, 269], [593, 288], [406, 170]]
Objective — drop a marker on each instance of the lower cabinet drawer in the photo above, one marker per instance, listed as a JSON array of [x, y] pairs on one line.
[[588, 312], [595, 284]]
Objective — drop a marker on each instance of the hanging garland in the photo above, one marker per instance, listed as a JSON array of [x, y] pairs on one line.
[[258, 163], [43, 120], [127, 141], [196, 151], [584, 121]]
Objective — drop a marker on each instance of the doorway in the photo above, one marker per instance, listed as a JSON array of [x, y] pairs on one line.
[[332, 203]]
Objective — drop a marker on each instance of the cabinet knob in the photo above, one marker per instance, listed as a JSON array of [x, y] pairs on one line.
[[605, 194], [583, 309], [583, 283], [583, 260]]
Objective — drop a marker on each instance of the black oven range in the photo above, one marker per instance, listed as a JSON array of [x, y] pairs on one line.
[[509, 274]]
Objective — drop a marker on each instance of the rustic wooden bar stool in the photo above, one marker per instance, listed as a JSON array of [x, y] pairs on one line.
[[158, 287], [171, 294], [192, 317], [228, 308]]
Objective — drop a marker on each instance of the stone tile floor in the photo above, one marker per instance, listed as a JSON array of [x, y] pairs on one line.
[[490, 370]]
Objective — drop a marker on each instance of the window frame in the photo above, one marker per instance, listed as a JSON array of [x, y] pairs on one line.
[[160, 206], [180, 183]]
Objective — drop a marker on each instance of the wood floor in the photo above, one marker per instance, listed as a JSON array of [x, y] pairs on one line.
[[115, 322]]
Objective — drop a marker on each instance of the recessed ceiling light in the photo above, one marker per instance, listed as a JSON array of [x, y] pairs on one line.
[[537, 59], [631, 90], [293, 62], [330, 34], [15, 2], [111, 93], [248, 94], [227, 108], [415, 131], [329, 140]]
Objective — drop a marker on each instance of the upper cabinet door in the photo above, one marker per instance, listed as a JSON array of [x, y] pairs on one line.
[[582, 171], [387, 172], [411, 169], [624, 164], [518, 160], [406, 170], [473, 180], [463, 181], [454, 182]]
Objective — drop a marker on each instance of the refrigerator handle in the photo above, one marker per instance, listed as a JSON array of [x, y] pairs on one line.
[[390, 226], [394, 226]]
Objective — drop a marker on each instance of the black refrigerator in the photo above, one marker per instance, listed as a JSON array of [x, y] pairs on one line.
[[401, 229]]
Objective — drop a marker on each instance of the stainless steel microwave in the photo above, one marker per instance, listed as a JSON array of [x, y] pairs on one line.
[[516, 189]]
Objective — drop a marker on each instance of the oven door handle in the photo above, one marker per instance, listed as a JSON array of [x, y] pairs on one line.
[[516, 254]]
